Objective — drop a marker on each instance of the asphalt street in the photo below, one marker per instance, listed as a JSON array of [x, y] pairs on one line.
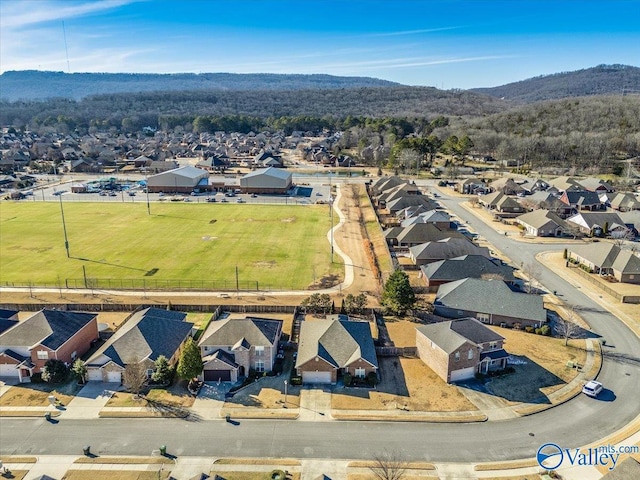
[[575, 423]]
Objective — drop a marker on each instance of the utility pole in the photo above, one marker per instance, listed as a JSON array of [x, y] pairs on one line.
[[237, 283], [146, 189], [64, 228], [331, 215]]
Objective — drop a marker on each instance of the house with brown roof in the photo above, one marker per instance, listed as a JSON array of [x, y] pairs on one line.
[[328, 349], [47, 334], [542, 223], [458, 349], [608, 259]]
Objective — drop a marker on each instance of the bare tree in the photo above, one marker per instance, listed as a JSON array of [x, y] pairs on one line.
[[621, 240], [389, 465], [134, 376], [532, 272], [566, 327]]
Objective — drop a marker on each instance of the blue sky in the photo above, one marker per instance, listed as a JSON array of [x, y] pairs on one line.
[[442, 43]]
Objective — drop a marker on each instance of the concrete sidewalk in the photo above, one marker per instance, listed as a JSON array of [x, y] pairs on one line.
[[89, 401]]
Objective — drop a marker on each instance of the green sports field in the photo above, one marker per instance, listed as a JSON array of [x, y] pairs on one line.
[[178, 246]]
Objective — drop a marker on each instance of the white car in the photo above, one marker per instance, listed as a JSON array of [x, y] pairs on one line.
[[592, 388]]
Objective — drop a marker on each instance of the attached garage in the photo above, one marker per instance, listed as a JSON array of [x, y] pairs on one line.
[[115, 377], [94, 374], [8, 370], [462, 374], [316, 377], [217, 375]]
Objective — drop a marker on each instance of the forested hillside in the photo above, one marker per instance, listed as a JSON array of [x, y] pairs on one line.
[[166, 109], [36, 85], [600, 80]]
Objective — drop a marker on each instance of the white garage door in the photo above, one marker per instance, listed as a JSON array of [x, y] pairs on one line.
[[114, 377], [316, 377], [95, 374], [462, 374], [8, 370]]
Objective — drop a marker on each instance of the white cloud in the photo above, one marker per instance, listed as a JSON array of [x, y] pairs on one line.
[[21, 14]]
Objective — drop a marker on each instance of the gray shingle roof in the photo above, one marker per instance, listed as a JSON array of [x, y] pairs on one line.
[[147, 334], [451, 335], [340, 343], [447, 248], [222, 356], [51, 328], [539, 218], [250, 330], [492, 297], [466, 266]]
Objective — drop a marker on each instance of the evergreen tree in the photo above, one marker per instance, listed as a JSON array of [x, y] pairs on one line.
[[190, 363], [398, 296], [79, 369], [162, 372]]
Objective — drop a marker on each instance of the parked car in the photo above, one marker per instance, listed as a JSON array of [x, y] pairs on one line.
[[240, 200], [103, 193], [132, 194], [113, 194], [254, 195], [211, 199], [592, 388], [224, 200]]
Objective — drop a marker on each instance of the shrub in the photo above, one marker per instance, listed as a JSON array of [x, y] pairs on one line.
[[296, 380], [538, 331], [564, 253], [528, 329], [545, 330], [347, 379], [55, 371], [372, 379]]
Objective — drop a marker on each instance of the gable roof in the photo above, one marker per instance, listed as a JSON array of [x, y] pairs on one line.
[[539, 218], [609, 255], [582, 197], [269, 172], [465, 266], [338, 342], [50, 328], [147, 334], [600, 219], [492, 297], [242, 331], [451, 335], [447, 248], [425, 232]]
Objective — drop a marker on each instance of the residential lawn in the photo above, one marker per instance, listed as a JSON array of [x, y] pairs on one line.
[[37, 394], [174, 396], [125, 460], [407, 383], [277, 247], [264, 398], [15, 474], [401, 332], [249, 475], [109, 475], [545, 370]]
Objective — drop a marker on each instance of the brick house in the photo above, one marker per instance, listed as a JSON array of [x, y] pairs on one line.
[[458, 349], [48, 334], [234, 346], [327, 348], [143, 337]]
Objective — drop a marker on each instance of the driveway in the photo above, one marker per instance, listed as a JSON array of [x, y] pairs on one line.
[[90, 400], [6, 383], [315, 404], [209, 401]]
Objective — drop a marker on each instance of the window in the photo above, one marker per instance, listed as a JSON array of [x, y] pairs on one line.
[[360, 372], [259, 351], [470, 356], [74, 355], [483, 317], [149, 372], [457, 356], [43, 355], [493, 345], [260, 366]]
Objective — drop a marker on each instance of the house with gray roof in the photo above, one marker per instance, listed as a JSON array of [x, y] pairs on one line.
[[458, 349], [143, 337], [605, 258], [417, 234], [581, 200], [439, 218], [400, 203], [328, 349], [267, 180], [599, 223], [450, 247], [499, 202], [490, 301], [624, 202], [542, 223], [466, 266], [48, 334], [233, 346]]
